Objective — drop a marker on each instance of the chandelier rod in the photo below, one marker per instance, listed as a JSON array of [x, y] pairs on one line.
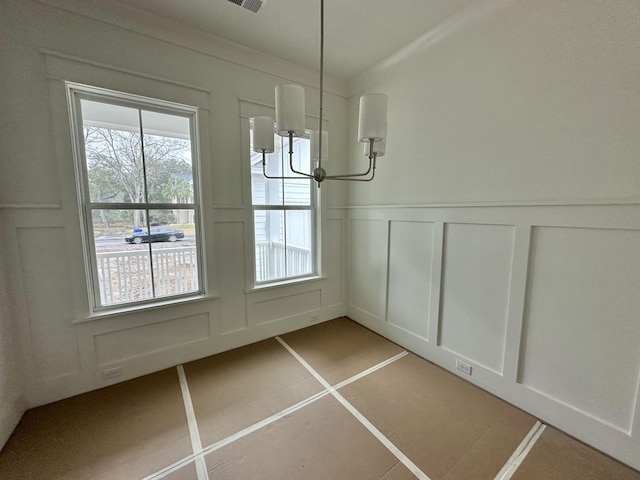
[[319, 174], [321, 82]]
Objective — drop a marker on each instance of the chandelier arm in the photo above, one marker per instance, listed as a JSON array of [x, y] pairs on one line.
[[264, 171], [351, 179], [291, 159], [372, 169], [372, 166]]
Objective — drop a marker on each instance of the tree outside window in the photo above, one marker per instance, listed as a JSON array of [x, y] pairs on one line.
[[138, 198]]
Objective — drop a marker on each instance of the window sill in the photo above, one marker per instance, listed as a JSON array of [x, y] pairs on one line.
[[284, 283], [118, 312]]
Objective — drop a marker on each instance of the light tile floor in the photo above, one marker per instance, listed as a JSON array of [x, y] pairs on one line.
[[332, 401]]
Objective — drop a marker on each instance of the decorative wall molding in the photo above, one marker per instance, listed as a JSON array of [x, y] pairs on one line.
[[31, 206], [153, 26], [128, 71], [634, 201], [563, 302]]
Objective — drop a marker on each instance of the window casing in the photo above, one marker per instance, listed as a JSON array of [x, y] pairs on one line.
[[284, 214], [138, 191]]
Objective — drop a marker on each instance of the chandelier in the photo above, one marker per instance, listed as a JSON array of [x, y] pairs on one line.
[[290, 115]]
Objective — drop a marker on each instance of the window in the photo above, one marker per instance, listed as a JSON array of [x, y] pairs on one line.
[[283, 214], [137, 182]]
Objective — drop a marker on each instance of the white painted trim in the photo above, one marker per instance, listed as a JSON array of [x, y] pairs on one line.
[[413, 468], [74, 58], [285, 283], [150, 25], [194, 434], [55, 206], [138, 308], [621, 443], [518, 288], [436, 282], [480, 204], [521, 452]]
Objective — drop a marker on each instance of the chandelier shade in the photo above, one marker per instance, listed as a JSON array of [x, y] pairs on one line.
[[372, 120], [290, 110], [263, 134], [290, 122]]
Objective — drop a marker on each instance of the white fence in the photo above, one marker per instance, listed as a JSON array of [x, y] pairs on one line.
[[273, 261], [126, 276]]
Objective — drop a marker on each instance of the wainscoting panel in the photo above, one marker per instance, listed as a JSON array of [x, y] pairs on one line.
[[475, 292], [368, 266], [540, 299], [409, 276], [230, 277], [581, 335], [287, 305], [49, 300], [333, 245], [129, 343]]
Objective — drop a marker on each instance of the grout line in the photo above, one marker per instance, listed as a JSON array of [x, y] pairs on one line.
[[521, 452], [361, 418], [256, 426], [196, 443]]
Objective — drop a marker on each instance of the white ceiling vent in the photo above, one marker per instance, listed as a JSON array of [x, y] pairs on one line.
[[253, 5]]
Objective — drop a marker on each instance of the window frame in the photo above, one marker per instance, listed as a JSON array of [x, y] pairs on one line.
[[313, 208], [75, 94]]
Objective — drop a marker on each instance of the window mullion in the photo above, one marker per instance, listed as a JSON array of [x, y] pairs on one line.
[[105, 125], [146, 201]]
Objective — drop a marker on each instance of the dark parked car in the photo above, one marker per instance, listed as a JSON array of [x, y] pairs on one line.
[[158, 234]]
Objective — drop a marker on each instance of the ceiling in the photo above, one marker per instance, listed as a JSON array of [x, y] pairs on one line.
[[358, 33]]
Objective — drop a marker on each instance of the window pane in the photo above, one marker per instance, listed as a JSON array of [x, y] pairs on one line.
[[122, 260], [113, 152], [297, 192], [267, 191], [283, 237], [132, 269], [282, 192], [269, 244], [145, 248], [299, 259], [173, 246], [167, 155]]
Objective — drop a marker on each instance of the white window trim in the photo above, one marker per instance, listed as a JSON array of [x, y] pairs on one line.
[[248, 110], [76, 92]]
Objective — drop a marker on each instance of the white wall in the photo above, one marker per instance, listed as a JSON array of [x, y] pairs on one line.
[[65, 351], [503, 228], [12, 402]]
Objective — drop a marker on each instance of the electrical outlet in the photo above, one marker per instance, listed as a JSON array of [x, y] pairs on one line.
[[463, 367], [314, 317], [111, 373]]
